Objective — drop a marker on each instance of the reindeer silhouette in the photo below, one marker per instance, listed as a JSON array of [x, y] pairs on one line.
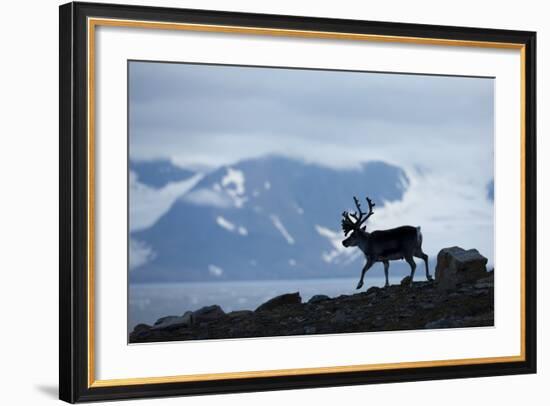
[[403, 242]]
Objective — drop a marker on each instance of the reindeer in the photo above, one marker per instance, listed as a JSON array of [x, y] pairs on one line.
[[403, 242]]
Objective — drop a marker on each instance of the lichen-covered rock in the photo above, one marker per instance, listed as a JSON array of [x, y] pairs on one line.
[[207, 314], [373, 290], [396, 307], [339, 317], [318, 298], [165, 319], [174, 322], [141, 327], [441, 323], [239, 314], [286, 299], [456, 265]]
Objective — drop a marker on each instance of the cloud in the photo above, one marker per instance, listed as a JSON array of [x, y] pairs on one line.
[[334, 238], [215, 270], [450, 209], [140, 254], [220, 114]]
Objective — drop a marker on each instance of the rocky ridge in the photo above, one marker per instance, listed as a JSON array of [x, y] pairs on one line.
[[462, 295]]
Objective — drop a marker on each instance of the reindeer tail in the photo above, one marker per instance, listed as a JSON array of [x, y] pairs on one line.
[[419, 236]]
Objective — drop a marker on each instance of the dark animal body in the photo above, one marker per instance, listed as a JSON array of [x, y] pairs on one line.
[[396, 242], [403, 242]]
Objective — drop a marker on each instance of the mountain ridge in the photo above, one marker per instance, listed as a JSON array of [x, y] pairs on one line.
[[263, 218]]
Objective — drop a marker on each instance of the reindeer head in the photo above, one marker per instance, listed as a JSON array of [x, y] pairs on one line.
[[353, 222]]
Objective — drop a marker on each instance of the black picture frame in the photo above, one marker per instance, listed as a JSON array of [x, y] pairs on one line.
[[74, 382]]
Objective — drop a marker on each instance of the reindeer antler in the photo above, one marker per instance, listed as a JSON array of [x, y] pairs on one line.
[[347, 223], [371, 205], [358, 218]]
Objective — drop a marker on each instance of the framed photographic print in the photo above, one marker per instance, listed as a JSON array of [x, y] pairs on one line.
[[256, 202]]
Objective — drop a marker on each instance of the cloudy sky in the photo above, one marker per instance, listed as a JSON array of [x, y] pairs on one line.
[[437, 128]]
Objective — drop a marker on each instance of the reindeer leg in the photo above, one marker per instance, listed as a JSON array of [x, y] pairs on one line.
[[423, 256], [411, 262], [386, 267], [428, 276], [365, 269]]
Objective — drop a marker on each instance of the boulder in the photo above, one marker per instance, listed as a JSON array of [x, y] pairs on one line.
[[393, 308], [174, 322], [140, 328], [340, 317], [483, 285], [286, 299], [207, 314], [406, 281], [456, 265], [239, 314], [318, 298], [426, 306], [164, 319], [440, 323], [372, 290]]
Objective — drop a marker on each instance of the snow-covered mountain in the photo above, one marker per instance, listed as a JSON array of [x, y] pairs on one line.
[[157, 174], [264, 218]]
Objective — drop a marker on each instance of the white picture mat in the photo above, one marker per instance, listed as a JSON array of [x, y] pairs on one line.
[[116, 359]]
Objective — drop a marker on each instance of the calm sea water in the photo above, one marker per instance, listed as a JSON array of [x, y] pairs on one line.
[[149, 302]]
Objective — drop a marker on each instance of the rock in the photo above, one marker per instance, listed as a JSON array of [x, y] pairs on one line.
[[448, 322], [207, 314], [441, 323], [174, 322], [237, 314], [339, 318], [477, 293], [379, 321], [372, 289], [488, 280], [427, 306], [318, 298], [371, 296], [470, 304], [165, 318], [406, 281], [456, 265], [286, 299], [140, 328]]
